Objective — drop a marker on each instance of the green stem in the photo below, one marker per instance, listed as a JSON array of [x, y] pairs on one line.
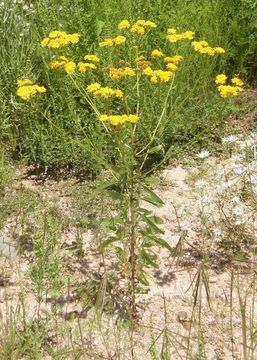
[[158, 123], [132, 238]]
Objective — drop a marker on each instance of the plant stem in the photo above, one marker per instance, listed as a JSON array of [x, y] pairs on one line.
[[132, 241], [133, 250]]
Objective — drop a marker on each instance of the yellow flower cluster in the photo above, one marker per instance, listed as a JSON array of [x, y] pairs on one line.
[[173, 60], [26, 89], [57, 39], [91, 57], [97, 90], [63, 62], [119, 119], [221, 79], [113, 41], [171, 67], [229, 90], [157, 75], [142, 61], [203, 48], [124, 24], [70, 66], [120, 73], [173, 36], [84, 66], [140, 25], [157, 53], [237, 81]]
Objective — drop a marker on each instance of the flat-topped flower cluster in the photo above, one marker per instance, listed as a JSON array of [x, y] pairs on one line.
[[229, 90], [57, 39], [158, 67], [26, 88]]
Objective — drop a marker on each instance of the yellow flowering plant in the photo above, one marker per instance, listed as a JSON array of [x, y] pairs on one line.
[[119, 93]]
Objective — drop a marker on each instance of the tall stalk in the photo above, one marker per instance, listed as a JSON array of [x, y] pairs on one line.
[[132, 239]]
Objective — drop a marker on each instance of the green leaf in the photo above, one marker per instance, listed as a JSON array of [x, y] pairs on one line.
[[144, 211], [148, 259], [99, 27], [115, 194], [152, 198], [111, 223], [105, 185], [142, 278], [155, 149], [156, 219], [154, 228], [106, 243], [152, 180], [120, 251], [160, 242]]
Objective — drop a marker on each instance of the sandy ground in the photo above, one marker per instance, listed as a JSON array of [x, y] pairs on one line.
[[167, 308]]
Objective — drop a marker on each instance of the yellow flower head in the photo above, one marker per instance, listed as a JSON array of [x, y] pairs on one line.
[[140, 22], [74, 38], [118, 93], [116, 74], [70, 67], [92, 58], [106, 42], [158, 75], [140, 30], [40, 89], [119, 119], [142, 61], [156, 53], [148, 71], [163, 76], [207, 50], [120, 73], [44, 42], [58, 39], [140, 25], [150, 24], [22, 82], [203, 48], [228, 90], [173, 36], [93, 87], [133, 118], [26, 89], [124, 24], [84, 66], [189, 35], [175, 59], [237, 81], [154, 80], [219, 50], [104, 92], [119, 39], [171, 31], [57, 34], [129, 72], [103, 117], [58, 63], [171, 67], [220, 79]]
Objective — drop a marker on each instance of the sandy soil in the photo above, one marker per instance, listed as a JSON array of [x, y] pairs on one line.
[[169, 303]]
